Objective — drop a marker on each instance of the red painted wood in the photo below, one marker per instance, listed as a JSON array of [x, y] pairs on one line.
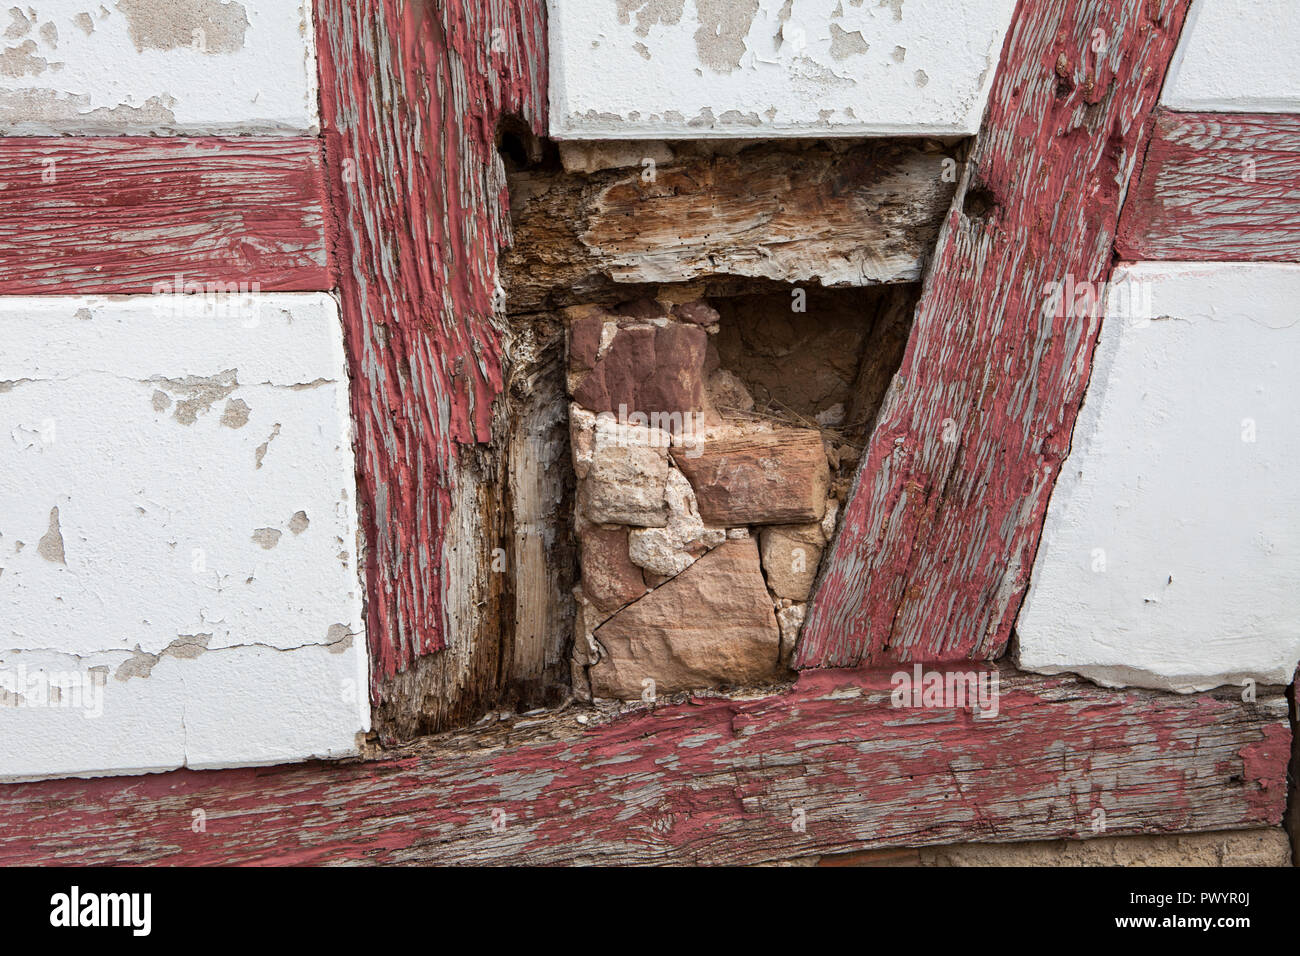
[[412, 92], [706, 781], [939, 535], [1219, 187], [122, 215]]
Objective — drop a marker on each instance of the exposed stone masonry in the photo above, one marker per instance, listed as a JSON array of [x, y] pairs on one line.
[[701, 521]]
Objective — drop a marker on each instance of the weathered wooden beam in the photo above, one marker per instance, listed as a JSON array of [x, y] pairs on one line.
[[1216, 186], [938, 537], [829, 766], [412, 94], [804, 212], [126, 215]]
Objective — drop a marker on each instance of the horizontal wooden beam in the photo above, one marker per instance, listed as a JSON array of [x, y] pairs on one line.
[[829, 766], [1219, 187], [813, 213], [85, 215]]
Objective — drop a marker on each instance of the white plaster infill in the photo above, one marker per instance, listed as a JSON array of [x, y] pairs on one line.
[[148, 67], [179, 574], [700, 69], [1171, 549]]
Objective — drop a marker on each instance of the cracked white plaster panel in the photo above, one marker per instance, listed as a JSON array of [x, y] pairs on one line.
[[1171, 550], [136, 67], [177, 514], [695, 69], [1237, 56]]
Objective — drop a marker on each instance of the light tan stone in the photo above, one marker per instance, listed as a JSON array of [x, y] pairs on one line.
[[626, 477], [672, 549], [790, 619], [582, 438], [710, 626], [791, 554]]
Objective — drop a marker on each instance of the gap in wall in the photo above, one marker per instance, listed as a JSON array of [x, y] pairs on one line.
[[699, 551], [792, 357]]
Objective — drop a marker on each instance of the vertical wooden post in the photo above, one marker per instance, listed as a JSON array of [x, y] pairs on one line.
[[412, 92]]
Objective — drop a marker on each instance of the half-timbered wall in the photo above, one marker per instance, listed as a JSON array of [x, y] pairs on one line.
[[308, 326]]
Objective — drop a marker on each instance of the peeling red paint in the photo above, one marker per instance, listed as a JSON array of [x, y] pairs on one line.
[[1264, 763], [411, 96], [115, 215], [939, 535], [706, 781], [1218, 187]]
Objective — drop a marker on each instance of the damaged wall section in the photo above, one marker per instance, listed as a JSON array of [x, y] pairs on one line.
[[760, 291], [714, 441], [722, 320]]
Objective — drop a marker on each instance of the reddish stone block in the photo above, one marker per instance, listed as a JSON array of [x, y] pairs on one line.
[[776, 477], [648, 369], [609, 578]]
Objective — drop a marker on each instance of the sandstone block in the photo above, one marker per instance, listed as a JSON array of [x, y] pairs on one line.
[[609, 578], [790, 619], [582, 438], [670, 550], [625, 484], [701, 313], [646, 368], [584, 341], [778, 477], [710, 626], [791, 554]]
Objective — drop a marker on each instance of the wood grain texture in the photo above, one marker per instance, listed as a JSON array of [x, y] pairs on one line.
[[939, 535], [412, 94], [705, 781], [84, 215], [1223, 187], [544, 560], [803, 212]]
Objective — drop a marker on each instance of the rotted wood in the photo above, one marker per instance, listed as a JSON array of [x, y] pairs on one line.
[[541, 483], [412, 97], [828, 766], [831, 213], [939, 535], [87, 215], [1219, 187]]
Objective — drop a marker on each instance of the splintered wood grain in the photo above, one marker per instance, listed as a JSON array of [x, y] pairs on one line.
[[1216, 186], [828, 767], [939, 535], [806, 212], [542, 492], [125, 215], [412, 93]]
